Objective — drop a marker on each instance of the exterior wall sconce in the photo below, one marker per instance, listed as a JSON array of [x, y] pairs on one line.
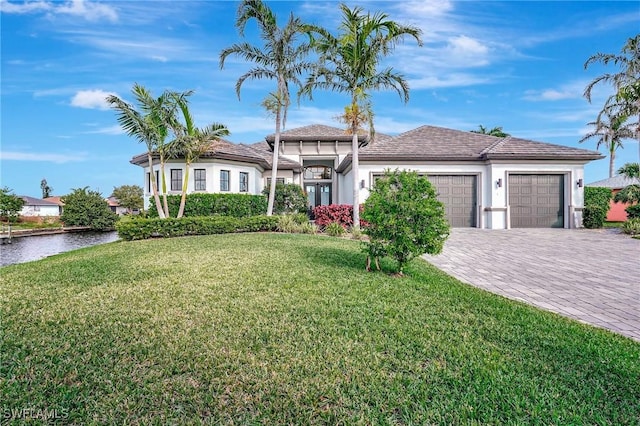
[[362, 184], [579, 183], [499, 183]]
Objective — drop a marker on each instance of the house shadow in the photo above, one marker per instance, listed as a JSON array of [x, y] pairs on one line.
[[335, 258]]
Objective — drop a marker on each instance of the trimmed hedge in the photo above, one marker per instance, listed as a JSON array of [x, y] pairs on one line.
[[140, 228], [596, 206], [196, 205]]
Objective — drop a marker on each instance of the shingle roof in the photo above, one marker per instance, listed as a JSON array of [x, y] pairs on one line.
[[438, 143], [316, 132], [32, 201], [616, 182]]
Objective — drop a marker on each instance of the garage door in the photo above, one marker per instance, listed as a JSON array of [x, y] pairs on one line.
[[459, 195], [536, 201]]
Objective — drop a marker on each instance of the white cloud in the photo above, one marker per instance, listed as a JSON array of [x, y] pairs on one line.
[[91, 99], [570, 90], [43, 156], [448, 80], [91, 11], [110, 130]]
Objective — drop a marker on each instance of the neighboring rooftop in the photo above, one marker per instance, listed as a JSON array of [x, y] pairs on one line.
[[32, 201], [615, 182]]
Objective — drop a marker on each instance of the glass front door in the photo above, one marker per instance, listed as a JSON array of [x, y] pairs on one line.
[[318, 194]]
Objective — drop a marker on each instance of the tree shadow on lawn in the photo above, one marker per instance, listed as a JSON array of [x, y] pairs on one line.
[[343, 259]]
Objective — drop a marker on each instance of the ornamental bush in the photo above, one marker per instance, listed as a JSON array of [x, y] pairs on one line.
[[290, 198], [633, 212], [596, 206], [84, 207], [235, 205], [632, 226], [405, 219], [141, 228], [341, 214]]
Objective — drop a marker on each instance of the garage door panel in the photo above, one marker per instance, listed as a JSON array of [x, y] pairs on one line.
[[536, 201], [459, 195]]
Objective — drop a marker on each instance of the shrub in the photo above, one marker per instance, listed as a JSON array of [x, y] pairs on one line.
[[338, 213], [335, 229], [141, 228], [10, 205], [84, 207], [308, 228], [197, 205], [593, 216], [631, 226], [356, 233], [633, 212], [405, 218], [290, 198], [293, 223]]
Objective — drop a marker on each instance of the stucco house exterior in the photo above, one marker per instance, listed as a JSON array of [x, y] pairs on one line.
[[35, 207], [484, 181], [616, 211]]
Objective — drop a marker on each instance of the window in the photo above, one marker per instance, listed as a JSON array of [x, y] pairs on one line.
[[244, 182], [278, 180], [224, 180], [317, 172], [149, 186], [200, 180], [176, 179]]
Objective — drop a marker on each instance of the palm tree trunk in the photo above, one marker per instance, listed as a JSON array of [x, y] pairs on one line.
[[183, 197], [354, 170], [274, 165], [154, 187], [612, 156], [164, 189]]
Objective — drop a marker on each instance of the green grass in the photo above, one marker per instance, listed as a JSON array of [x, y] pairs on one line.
[[214, 330], [612, 224]]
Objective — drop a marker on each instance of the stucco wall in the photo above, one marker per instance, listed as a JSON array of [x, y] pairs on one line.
[[30, 211]]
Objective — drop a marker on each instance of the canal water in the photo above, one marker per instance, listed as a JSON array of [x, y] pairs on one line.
[[26, 249]]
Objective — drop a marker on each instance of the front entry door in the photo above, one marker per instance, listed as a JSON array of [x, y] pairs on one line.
[[318, 194]]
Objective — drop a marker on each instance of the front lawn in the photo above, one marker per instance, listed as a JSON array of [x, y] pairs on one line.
[[290, 329]]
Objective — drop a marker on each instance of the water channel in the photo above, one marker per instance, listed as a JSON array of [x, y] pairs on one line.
[[26, 249]]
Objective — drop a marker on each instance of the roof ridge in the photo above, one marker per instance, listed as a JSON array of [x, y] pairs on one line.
[[495, 145]]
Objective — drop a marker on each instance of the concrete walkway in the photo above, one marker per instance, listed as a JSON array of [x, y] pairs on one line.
[[589, 275]]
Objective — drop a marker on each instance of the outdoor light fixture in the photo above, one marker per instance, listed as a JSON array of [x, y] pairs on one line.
[[362, 184], [499, 183], [579, 183]]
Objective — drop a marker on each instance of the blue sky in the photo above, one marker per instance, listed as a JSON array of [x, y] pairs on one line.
[[513, 64]]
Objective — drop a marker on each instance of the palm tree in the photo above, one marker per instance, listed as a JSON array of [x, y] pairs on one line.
[[348, 63], [496, 131], [630, 193], [280, 58], [149, 126], [610, 130], [191, 142], [626, 81]]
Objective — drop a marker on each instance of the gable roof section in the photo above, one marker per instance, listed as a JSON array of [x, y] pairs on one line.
[[32, 201], [316, 132], [616, 182]]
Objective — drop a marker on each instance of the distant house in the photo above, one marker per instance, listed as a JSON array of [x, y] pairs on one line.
[[36, 207], [58, 201], [115, 206], [484, 181], [617, 211]]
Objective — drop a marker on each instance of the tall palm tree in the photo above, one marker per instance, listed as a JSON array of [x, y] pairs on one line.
[[496, 131], [348, 63], [148, 125], [281, 58], [191, 142], [626, 82], [610, 131]]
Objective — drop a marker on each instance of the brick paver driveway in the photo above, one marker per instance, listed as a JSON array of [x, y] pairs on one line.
[[589, 275]]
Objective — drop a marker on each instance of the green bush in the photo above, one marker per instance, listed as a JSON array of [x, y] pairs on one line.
[[631, 226], [197, 205], [293, 223], [84, 207], [10, 205], [290, 198], [405, 218], [593, 216], [633, 212], [334, 229], [141, 228]]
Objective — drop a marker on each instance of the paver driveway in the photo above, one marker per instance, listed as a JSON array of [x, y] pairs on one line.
[[589, 275]]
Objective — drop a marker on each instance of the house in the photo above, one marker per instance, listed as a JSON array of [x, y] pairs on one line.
[[617, 211], [484, 181], [58, 201], [114, 205], [37, 208]]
